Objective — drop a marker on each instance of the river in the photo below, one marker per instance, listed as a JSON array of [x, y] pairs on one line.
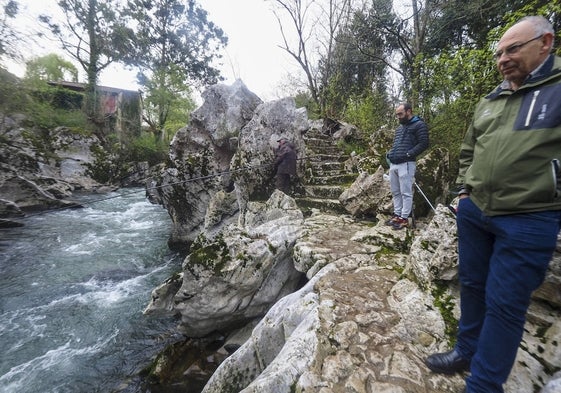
[[73, 284]]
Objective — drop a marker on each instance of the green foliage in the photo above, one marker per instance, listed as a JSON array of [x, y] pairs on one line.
[[361, 49], [94, 34], [45, 116], [148, 148], [112, 161], [303, 99], [184, 52], [107, 167], [369, 113], [49, 68], [359, 69], [13, 98], [168, 104], [452, 84], [466, 24], [54, 96], [186, 39], [10, 38], [549, 9], [45, 107]]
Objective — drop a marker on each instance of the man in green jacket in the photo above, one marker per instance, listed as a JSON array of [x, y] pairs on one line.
[[509, 212]]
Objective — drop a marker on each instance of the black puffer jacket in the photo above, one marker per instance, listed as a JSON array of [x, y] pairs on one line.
[[410, 140]]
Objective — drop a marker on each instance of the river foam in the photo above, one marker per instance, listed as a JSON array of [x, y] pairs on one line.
[[73, 285]]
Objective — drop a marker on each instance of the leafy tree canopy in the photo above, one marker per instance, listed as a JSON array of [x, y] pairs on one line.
[[174, 33], [92, 32], [10, 38], [51, 67], [175, 46]]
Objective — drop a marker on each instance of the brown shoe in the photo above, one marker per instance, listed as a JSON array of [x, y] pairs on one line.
[[400, 223], [391, 221]]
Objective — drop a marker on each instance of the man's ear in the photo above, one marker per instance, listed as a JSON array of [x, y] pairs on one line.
[[547, 42]]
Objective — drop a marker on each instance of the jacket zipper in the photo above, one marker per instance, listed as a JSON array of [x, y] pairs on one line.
[[534, 98]]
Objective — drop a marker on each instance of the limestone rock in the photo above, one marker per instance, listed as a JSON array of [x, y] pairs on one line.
[[327, 238], [550, 290], [74, 155], [32, 180], [367, 194], [224, 112], [349, 335], [200, 156], [280, 349], [238, 274], [366, 328], [554, 385], [433, 255], [258, 141], [223, 159]]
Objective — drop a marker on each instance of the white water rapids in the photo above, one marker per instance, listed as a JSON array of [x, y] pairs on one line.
[[73, 284]]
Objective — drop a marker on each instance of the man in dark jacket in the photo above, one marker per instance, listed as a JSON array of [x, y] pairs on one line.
[[285, 164], [411, 139]]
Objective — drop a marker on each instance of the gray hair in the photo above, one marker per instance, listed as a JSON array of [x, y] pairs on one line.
[[540, 24]]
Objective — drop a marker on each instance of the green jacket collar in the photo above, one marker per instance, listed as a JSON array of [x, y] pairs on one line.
[[549, 69]]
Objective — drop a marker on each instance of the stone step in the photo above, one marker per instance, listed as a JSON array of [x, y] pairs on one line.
[[337, 179], [325, 176], [319, 140], [326, 154], [325, 171], [321, 143], [322, 157], [326, 192], [324, 205], [328, 165], [313, 173]]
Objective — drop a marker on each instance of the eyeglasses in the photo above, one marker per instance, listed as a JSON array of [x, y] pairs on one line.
[[513, 49]]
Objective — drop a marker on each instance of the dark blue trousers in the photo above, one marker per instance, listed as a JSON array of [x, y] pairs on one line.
[[502, 260]]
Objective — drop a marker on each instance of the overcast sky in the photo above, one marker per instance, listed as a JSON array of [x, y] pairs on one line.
[[252, 54]]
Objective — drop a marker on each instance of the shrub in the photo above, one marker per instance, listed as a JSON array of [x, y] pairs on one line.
[[148, 148]]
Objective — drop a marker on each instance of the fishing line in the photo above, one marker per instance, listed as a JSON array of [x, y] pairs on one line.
[[126, 193]]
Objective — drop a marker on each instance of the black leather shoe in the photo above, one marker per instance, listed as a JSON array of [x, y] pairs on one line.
[[447, 363]]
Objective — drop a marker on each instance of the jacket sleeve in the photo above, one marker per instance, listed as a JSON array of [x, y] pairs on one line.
[[465, 157], [422, 134], [279, 156]]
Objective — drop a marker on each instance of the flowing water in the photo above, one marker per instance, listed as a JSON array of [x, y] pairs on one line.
[[73, 284]]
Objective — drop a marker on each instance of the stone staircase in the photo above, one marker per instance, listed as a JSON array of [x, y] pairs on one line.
[[325, 177]]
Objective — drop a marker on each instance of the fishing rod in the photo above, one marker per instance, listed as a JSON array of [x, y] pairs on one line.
[[452, 209], [424, 196]]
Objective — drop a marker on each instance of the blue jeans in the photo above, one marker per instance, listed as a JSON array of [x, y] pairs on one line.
[[502, 260], [402, 178]]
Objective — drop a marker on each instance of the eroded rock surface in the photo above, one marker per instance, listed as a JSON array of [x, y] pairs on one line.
[[365, 322]]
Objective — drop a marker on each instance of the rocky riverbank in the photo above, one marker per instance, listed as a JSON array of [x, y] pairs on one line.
[[376, 301]]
